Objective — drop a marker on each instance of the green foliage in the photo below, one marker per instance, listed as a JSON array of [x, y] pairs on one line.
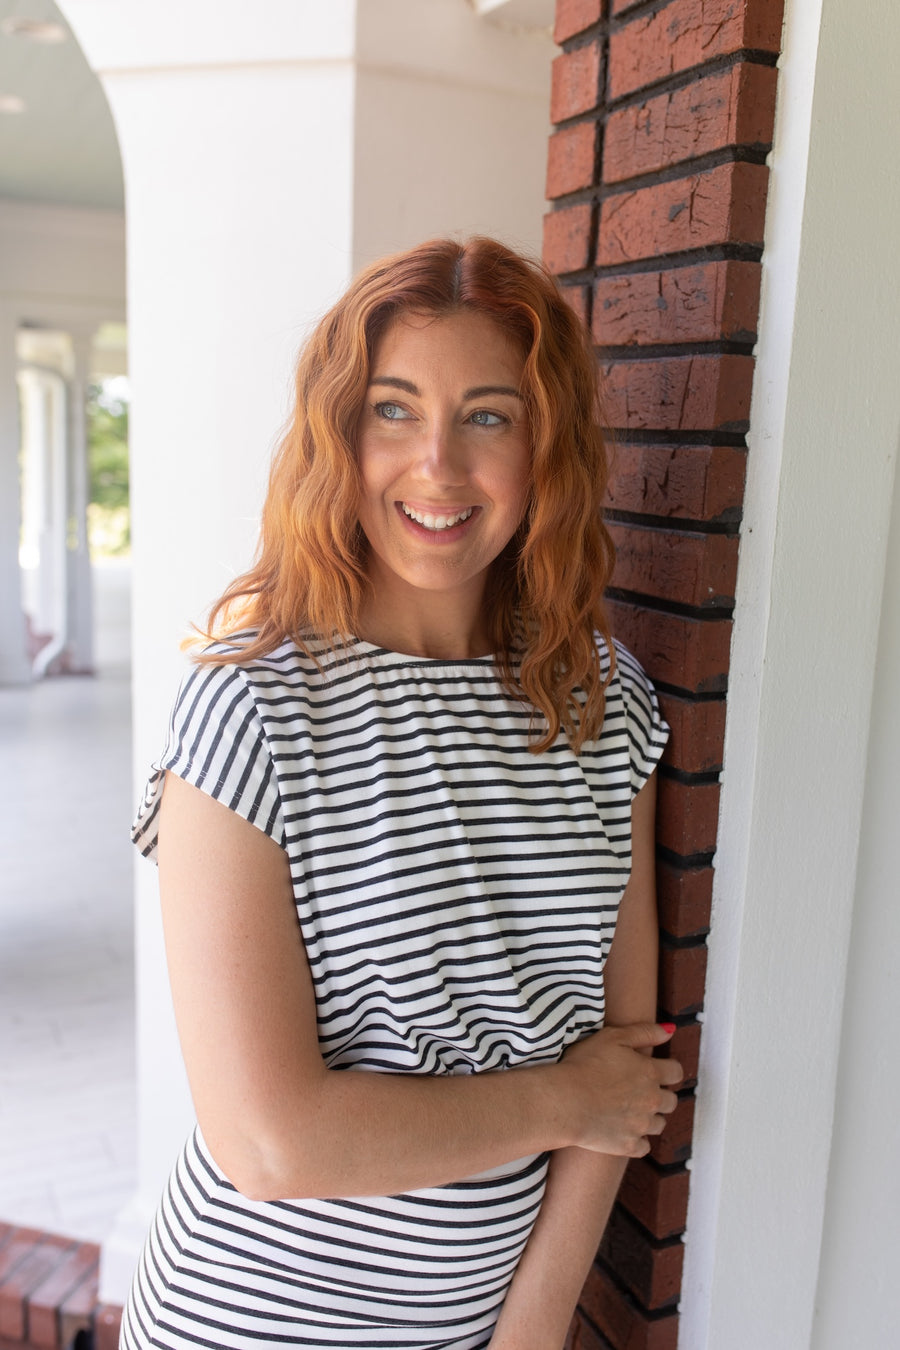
[[107, 445], [107, 414]]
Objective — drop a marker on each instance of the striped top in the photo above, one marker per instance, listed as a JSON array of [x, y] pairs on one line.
[[457, 897]]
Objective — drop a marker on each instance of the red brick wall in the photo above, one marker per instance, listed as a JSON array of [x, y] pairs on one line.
[[663, 114]]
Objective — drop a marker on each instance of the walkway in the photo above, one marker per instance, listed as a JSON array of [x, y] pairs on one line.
[[67, 1108]]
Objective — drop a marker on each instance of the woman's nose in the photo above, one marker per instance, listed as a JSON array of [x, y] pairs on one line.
[[443, 456]]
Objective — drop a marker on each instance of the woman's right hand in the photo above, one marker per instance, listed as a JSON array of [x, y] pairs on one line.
[[620, 1094]]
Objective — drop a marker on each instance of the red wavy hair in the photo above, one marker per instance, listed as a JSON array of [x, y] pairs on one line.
[[546, 588]]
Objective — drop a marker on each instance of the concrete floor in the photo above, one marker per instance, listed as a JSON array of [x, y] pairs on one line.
[[67, 1083]]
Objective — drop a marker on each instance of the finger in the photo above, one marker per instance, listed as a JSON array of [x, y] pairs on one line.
[[643, 1035], [668, 1102], [669, 1071], [657, 1125]]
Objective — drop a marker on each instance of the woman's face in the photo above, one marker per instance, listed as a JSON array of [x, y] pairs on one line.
[[444, 454]]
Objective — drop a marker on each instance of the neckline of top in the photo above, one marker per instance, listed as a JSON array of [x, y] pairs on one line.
[[373, 651]]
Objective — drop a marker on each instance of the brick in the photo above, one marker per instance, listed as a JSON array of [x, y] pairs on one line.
[[688, 33], [689, 654], [702, 482], [17, 1244], [582, 1336], [684, 899], [685, 567], [621, 1320], [679, 393], [723, 205], [621, 6], [710, 302], [574, 16], [29, 1272], [687, 816], [685, 1047], [652, 1273], [682, 980], [674, 1144], [567, 238], [697, 740], [658, 1200], [571, 158], [107, 1321], [578, 298], [77, 1310], [575, 82], [734, 107], [79, 1266]]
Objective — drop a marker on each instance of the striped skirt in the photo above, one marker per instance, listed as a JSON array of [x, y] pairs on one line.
[[426, 1270]]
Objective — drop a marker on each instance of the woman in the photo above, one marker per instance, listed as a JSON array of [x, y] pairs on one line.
[[409, 799]]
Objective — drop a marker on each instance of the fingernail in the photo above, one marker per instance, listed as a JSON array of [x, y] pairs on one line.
[[668, 1027]]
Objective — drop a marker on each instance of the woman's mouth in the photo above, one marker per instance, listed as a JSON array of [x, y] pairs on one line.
[[436, 522]]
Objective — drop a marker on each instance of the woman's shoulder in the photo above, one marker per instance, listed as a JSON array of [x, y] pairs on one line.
[[237, 656], [621, 669], [633, 708], [629, 670]]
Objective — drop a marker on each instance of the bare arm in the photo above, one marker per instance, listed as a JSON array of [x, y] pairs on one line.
[[582, 1185], [276, 1119]]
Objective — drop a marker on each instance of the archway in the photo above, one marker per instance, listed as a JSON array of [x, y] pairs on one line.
[[66, 988]]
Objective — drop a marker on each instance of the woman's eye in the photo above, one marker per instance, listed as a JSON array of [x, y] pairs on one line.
[[483, 418], [390, 412]]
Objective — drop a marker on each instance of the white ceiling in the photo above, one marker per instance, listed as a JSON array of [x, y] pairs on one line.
[[62, 146]]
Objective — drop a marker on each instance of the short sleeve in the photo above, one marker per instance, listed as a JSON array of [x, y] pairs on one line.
[[647, 730], [217, 743]]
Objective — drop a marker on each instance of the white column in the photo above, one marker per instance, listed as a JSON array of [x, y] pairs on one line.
[[79, 597], [14, 665], [235, 128], [35, 485], [50, 462], [824, 433]]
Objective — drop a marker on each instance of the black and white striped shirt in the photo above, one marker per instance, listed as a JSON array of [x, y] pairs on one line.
[[457, 897]]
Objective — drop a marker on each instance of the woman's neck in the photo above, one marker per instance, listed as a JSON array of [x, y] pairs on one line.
[[439, 626]]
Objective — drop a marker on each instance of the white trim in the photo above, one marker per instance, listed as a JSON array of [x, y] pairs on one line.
[[523, 13], [823, 446]]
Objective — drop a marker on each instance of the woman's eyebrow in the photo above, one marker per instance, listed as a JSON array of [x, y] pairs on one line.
[[486, 390], [394, 382], [480, 391]]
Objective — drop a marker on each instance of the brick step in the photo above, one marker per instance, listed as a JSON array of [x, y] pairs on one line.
[[48, 1292]]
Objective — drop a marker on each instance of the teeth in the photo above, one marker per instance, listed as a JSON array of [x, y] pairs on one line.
[[436, 522]]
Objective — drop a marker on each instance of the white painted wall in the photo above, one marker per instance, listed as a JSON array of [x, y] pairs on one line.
[[858, 1302], [824, 435], [266, 154], [451, 126]]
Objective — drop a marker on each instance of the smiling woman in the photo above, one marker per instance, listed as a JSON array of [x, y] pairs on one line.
[[404, 825]]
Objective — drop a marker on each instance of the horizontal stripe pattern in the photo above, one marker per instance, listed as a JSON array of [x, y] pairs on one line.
[[457, 897]]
